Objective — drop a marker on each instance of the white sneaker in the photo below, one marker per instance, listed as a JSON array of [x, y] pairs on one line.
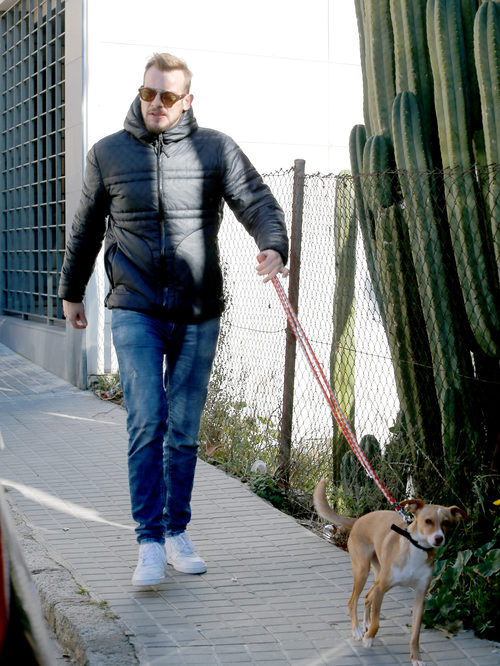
[[181, 555], [152, 565]]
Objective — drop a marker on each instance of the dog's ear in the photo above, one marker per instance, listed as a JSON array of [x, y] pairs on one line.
[[458, 514], [414, 505]]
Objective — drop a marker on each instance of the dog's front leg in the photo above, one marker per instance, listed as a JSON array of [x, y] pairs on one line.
[[374, 600], [368, 609], [418, 611], [360, 576]]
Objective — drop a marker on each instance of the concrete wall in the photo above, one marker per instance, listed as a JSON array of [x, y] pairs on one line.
[[60, 350]]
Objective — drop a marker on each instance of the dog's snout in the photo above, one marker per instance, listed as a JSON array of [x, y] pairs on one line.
[[438, 539]]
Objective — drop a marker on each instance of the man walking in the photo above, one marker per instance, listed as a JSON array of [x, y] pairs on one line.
[[155, 190]]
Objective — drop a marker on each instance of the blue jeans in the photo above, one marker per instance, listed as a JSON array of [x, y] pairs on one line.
[[164, 371]]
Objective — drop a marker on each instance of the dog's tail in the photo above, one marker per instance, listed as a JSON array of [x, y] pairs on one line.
[[343, 523]]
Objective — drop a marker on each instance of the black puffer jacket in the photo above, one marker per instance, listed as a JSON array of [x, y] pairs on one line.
[[159, 201]]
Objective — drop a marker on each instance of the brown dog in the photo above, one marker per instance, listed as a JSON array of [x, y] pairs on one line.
[[399, 556]]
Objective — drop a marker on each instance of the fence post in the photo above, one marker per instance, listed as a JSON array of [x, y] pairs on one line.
[[283, 470]]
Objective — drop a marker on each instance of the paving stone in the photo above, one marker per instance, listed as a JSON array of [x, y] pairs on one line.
[[275, 593]]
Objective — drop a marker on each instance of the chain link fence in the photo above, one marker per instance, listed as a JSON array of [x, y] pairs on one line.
[[399, 297]]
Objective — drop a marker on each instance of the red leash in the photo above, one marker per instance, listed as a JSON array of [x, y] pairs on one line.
[[328, 393]]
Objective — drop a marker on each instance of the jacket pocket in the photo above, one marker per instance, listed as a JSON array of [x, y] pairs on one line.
[[109, 256]]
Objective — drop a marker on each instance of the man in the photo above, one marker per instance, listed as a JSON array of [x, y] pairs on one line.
[[155, 190]]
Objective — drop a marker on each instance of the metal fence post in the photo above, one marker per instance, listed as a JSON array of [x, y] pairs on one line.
[[283, 470]]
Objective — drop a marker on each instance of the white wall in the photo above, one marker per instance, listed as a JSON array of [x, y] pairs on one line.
[[281, 77]]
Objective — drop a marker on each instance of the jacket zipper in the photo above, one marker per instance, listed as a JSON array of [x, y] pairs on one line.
[[159, 180], [159, 185]]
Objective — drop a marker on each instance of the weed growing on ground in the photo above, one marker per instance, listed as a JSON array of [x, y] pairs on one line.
[[107, 387]]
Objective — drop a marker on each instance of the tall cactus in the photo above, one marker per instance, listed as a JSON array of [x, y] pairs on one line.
[[379, 56], [412, 64], [357, 141], [487, 58], [403, 316], [429, 248], [479, 285], [343, 349], [433, 253], [360, 17], [355, 483]]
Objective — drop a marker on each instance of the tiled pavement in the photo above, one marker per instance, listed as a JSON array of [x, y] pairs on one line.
[[274, 593]]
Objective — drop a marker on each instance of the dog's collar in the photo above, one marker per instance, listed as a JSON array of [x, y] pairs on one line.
[[408, 536]]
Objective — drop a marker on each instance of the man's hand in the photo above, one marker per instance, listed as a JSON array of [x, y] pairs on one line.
[[270, 264], [75, 314]]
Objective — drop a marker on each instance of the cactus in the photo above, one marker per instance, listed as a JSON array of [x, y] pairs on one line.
[[343, 355], [360, 18], [450, 361], [433, 253], [379, 58], [468, 9], [352, 476], [471, 248], [413, 72], [357, 141], [377, 160], [403, 316], [487, 59]]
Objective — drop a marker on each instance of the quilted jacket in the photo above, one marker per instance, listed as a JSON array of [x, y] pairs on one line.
[[158, 201]]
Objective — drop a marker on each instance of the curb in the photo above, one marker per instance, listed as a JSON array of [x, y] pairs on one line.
[[83, 625]]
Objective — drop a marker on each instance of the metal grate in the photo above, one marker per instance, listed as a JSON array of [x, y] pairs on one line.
[[32, 222]]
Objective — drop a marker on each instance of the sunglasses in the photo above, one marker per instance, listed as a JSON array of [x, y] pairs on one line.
[[168, 98]]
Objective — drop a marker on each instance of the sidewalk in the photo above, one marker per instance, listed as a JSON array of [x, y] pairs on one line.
[[274, 592]]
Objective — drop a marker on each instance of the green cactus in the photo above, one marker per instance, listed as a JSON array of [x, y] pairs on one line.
[[343, 349], [468, 9], [487, 59], [379, 59], [410, 356], [377, 160], [403, 315], [360, 18], [413, 71], [352, 476], [478, 282], [357, 141], [429, 247], [433, 252]]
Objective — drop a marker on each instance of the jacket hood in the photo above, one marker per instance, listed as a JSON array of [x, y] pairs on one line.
[[134, 124]]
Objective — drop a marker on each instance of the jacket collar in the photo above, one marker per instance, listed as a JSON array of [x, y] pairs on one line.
[[134, 124]]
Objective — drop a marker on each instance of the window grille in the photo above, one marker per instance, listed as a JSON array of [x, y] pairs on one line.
[[32, 220]]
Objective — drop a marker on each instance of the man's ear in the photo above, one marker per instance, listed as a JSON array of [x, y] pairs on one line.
[[458, 513], [187, 101], [414, 505]]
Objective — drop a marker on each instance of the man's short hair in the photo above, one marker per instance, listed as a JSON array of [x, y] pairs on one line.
[[166, 62]]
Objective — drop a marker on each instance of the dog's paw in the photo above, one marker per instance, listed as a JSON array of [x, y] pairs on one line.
[[367, 642], [358, 633], [417, 662]]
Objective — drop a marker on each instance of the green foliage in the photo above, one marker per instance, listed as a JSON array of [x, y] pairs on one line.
[[265, 486], [465, 591]]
